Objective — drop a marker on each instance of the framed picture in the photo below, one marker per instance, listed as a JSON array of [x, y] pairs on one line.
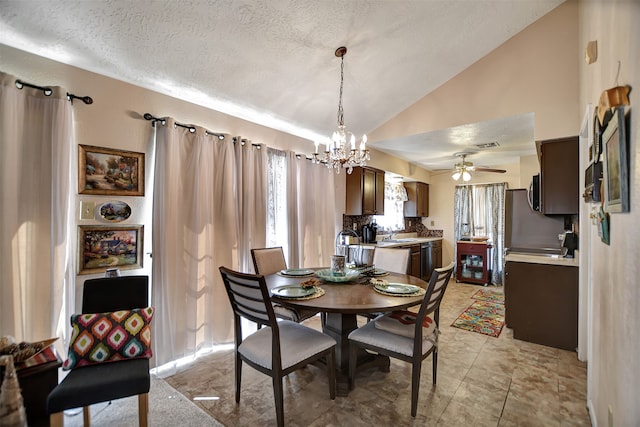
[[115, 211], [616, 164], [107, 171], [107, 247]]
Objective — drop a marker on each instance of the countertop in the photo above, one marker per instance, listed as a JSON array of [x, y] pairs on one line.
[[542, 259], [407, 241]]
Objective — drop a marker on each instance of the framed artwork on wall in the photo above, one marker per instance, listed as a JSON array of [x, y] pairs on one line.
[[107, 171], [106, 247], [616, 164]]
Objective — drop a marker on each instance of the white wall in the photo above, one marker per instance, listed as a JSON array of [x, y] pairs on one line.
[[613, 368]]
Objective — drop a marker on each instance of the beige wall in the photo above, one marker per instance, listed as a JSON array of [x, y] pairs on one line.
[[534, 71], [614, 373]]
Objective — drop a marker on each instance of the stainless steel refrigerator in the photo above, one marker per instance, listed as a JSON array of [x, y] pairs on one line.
[[527, 230]]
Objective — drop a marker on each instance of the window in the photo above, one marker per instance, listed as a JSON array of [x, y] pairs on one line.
[[394, 197], [277, 232]]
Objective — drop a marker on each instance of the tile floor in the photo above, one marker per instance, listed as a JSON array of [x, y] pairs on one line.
[[482, 381]]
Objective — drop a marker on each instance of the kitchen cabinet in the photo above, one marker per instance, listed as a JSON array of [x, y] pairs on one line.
[[473, 263], [418, 203], [559, 176], [541, 303], [365, 192]]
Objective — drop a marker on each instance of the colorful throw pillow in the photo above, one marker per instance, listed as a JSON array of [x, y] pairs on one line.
[[403, 323], [108, 337]]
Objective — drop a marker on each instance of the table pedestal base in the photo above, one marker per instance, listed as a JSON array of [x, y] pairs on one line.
[[339, 326]]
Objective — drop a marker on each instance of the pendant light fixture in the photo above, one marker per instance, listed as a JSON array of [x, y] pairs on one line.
[[341, 150]]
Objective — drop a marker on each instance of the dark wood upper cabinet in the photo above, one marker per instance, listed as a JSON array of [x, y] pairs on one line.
[[559, 177], [418, 203], [365, 192]]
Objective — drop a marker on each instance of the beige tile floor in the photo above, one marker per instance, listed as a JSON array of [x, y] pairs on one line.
[[482, 381]]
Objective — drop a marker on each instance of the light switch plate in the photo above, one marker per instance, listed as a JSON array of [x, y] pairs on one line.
[[87, 210]]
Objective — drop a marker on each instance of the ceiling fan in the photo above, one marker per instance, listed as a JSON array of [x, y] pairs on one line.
[[463, 168]]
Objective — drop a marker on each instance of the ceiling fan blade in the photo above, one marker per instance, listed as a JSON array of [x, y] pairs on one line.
[[481, 169]]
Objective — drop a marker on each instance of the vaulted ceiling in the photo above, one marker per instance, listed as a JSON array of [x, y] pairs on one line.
[[272, 61]]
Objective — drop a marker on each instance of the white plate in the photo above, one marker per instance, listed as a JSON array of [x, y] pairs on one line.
[[293, 291], [380, 272], [296, 272], [398, 288]]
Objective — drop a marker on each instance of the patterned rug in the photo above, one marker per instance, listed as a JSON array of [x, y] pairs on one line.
[[482, 317], [494, 295]]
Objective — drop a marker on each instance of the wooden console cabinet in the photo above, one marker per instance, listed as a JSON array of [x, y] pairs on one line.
[[473, 264]]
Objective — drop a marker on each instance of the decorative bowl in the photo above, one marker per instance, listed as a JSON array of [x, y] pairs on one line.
[[328, 276]]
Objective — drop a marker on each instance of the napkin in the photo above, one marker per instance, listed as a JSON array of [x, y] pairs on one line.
[[379, 282], [310, 282]]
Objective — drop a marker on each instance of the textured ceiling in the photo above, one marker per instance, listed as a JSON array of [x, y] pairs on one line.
[[272, 61]]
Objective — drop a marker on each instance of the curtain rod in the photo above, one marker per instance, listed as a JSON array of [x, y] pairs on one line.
[[191, 128], [48, 91]]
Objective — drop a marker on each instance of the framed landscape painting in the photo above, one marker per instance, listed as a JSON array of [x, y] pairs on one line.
[[105, 247], [107, 171], [616, 164]]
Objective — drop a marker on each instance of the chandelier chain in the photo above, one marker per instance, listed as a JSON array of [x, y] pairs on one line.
[[340, 109]]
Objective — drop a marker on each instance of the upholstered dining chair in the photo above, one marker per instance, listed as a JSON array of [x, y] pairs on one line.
[[396, 335], [277, 349], [101, 382], [270, 261], [395, 260]]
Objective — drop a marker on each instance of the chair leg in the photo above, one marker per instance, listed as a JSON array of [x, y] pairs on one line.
[[278, 395], [435, 365], [56, 419], [331, 368], [353, 355], [143, 409], [238, 376], [415, 386], [86, 416]]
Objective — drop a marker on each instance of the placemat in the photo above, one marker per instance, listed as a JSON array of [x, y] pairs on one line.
[[319, 292], [420, 292]]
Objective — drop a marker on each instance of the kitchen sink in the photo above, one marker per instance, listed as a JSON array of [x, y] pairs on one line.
[[407, 240]]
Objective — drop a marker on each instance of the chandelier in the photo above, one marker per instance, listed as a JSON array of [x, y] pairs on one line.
[[341, 151]]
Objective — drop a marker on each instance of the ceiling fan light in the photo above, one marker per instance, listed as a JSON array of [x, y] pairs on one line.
[[466, 176], [456, 175]]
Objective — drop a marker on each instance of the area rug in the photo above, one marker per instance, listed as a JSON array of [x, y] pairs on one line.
[[483, 317], [494, 295]]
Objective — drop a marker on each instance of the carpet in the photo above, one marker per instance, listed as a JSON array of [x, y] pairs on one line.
[[494, 295], [483, 317], [167, 408]]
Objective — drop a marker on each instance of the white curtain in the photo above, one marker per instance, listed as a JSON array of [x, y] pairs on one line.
[[37, 232], [311, 212], [480, 210], [251, 178], [195, 230]]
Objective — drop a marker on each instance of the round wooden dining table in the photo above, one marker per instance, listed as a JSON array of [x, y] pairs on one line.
[[341, 303]]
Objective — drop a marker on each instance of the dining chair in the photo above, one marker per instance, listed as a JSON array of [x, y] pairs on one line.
[[395, 260], [277, 349], [94, 383], [395, 334], [270, 261]]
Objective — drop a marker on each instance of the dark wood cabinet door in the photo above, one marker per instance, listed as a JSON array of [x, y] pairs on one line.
[[415, 264], [379, 206], [418, 203], [559, 176], [368, 192]]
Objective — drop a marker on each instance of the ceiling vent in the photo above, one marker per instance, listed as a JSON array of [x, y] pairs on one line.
[[488, 144]]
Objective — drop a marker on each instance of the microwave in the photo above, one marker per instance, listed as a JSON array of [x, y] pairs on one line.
[[534, 193]]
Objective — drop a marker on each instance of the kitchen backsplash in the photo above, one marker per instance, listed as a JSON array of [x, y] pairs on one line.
[[357, 221]]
